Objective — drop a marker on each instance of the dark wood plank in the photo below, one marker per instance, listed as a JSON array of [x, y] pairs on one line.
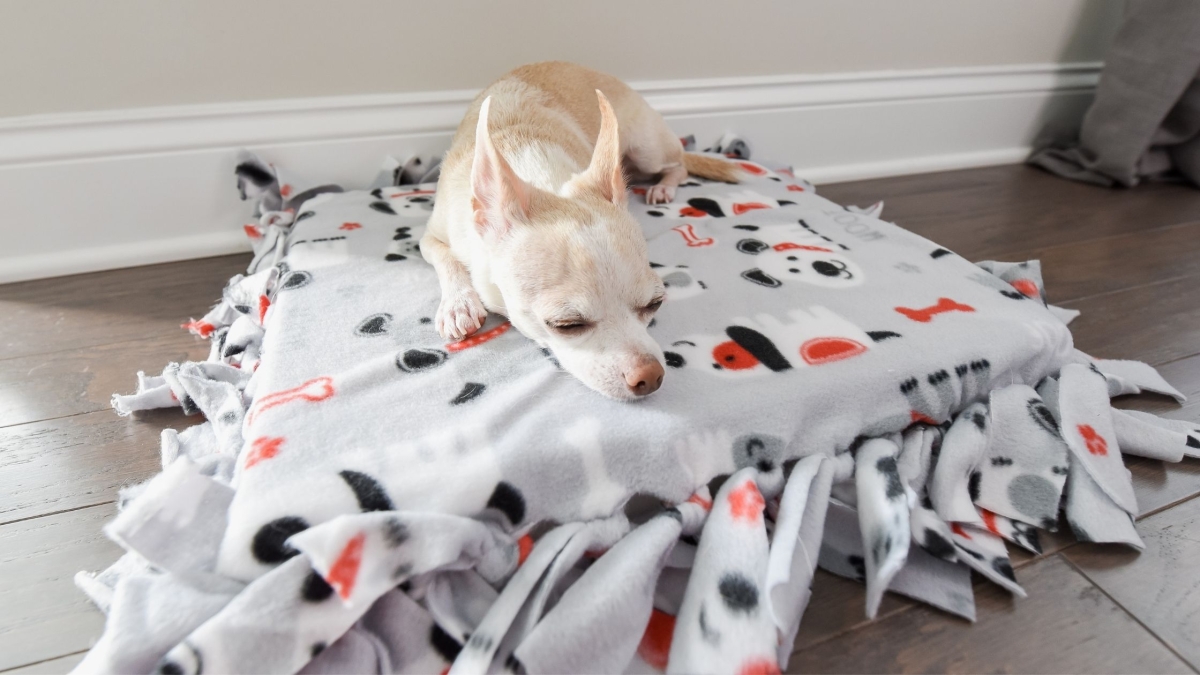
[[1079, 270], [42, 614], [1161, 484], [46, 467], [1052, 543], [59, 666], [1000, 211], [1184, 375], [839, 605], [1161, 586], [105, 307], [44, 386], [1156, 323], [1066, 625]]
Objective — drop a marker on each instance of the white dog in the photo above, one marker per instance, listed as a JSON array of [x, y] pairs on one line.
[[530, 220]]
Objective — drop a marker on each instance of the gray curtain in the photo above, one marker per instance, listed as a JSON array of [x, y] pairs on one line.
[[1145, 120]]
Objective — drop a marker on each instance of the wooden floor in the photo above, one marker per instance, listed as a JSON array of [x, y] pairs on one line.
[[1130, 260]]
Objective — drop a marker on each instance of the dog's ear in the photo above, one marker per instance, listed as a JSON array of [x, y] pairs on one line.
[[499, 197], [604, 175]]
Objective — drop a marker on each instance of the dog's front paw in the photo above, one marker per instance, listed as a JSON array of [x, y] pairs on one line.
[[460, 315], [660, 194]]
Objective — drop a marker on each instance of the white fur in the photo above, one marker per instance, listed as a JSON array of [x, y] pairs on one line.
[[530, 221]]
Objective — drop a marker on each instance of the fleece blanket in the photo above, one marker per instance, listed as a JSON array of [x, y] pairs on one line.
[[363, 497]]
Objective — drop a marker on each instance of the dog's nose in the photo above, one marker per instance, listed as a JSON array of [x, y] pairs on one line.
[[645, 378]]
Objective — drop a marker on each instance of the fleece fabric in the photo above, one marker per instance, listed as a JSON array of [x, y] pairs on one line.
[[364, 497]]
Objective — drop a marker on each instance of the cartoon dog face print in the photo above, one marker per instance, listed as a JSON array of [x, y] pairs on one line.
[[679, 282], [719, 206], [796, 254], [811, 337]]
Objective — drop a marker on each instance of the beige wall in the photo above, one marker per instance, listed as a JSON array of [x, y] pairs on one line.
[[73, 55]]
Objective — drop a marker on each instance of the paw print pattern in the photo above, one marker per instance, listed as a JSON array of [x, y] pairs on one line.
[[933, 395], [403, 245]]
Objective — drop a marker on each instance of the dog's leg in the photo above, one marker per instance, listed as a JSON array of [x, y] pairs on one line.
[[664, 191], [461, 312], [654, 150]]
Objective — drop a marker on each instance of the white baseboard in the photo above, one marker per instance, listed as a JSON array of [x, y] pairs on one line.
[[91, 191]]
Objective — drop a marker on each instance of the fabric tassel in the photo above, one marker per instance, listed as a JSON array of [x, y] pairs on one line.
[[722, 626], [883, 505]]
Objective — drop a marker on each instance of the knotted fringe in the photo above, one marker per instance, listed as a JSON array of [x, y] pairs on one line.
[[714, 584]]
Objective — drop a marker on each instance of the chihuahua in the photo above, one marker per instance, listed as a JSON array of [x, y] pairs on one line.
[[530, 220]]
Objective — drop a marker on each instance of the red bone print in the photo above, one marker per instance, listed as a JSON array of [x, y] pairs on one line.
[[316, 389], [261, 449], [795, 188], [689, 235], [746, 502], [740, 208], [926, 314], [958, 529], [479, 339], [1095, 442], [344, 571], [350, 226], [789, 246], [252, 231], [201, 328], [753, 169]]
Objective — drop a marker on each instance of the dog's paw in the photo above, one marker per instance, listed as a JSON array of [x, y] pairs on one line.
[[660, 194], [460, 315]]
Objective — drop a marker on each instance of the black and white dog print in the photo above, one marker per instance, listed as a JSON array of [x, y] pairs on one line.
[[796, 253], [810, 337]]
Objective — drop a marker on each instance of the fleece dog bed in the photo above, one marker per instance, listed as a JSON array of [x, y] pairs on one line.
[[363, 497]]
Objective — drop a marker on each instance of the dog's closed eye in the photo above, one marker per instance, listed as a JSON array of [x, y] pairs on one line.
[[576, 326], [649, 309]]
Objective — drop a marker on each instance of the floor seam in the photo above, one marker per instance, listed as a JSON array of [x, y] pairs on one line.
[[851, 629], [56, 513], [1161, 640], [51, 419], [1160, 282], [152, 336], [1041, 249], [52, 658], [1166, 507]]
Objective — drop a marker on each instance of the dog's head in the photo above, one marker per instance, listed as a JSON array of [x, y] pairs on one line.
[[571, 267]]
